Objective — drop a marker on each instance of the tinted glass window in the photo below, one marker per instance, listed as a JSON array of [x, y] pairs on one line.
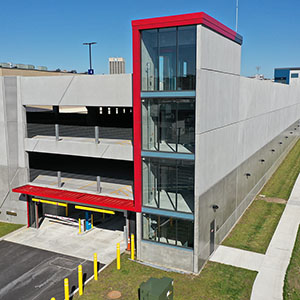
[[149, 64], [186, 68], [168, 184], [168, 59], [168, 125], [168, 230]]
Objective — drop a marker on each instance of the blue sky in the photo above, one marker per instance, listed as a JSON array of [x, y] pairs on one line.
[[51, 32]]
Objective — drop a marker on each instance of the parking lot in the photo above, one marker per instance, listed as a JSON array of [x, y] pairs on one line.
[[30, 273]]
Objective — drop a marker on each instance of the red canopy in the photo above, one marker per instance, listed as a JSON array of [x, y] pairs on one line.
[[76, 197]]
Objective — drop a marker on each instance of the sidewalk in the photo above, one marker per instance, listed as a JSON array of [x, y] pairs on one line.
[[271, 266]]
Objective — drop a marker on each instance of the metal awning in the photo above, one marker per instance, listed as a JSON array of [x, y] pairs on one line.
[[76, 197]]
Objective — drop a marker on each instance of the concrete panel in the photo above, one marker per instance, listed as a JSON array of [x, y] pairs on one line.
[[217, 52], [167, 256], [217, 100], [97, 90], [108, 149], [234, 193], [216, 156]]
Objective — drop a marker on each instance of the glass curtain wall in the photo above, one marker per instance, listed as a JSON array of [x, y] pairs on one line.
[[168, 59], [168, 125], [168, 184], [168, 230]]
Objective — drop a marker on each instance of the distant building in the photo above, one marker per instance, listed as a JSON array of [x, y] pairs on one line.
[[10, 69], [116, 65], [287, 75]]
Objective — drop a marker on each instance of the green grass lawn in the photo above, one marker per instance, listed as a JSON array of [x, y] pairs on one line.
[[6, 228], [281, 183], [291, 289], [255, 229], [215, 282]]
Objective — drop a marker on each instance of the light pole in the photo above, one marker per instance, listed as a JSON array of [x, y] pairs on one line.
[[236, 15], [90, 71]]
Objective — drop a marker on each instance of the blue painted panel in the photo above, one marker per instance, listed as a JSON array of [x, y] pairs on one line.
[[168, 155], [282, 73], [175, 94], [167, 213]]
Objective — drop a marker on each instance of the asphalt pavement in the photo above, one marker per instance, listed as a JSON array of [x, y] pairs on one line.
[[29, 273]]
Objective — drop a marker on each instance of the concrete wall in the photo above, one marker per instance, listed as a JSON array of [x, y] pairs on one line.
[[13, 163], [108, 149], [166, 256], [238, 122], [85, 90]]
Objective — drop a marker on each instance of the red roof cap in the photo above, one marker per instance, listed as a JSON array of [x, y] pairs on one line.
[[188, 19]]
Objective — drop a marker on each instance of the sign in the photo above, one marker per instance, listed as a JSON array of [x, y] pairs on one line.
[[91, 71]]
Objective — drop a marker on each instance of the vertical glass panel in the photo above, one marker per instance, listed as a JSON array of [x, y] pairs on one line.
[[149, 60], [168, 184], [167, 59], [168, 125], [150, 227], [168, 230], [186, 61], [185, 233]]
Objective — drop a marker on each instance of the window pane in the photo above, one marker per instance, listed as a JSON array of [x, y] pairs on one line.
[[185, 233], [168, 230], [150, 227], [186, 126], [149, 62], [168, 125], [167, 59], [186, 63], [168, 184]]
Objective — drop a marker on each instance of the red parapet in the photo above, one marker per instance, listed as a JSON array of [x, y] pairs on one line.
[[76, 197]]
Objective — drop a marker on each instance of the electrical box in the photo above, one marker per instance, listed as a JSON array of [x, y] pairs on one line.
[[157, 289]]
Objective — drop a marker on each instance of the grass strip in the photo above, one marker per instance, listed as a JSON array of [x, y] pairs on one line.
[[6, 228], [215, 282], [291, 289], [255, 229], [281, 183]]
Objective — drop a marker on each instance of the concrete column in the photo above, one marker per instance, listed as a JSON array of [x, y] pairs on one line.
[[59, 179], [57, 132], [98, 184], [96, 134], [138, 234]]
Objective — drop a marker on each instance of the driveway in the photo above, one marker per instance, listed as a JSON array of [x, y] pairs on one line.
[[64, 239]]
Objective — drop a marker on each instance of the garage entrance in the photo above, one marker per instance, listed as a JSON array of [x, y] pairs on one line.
[[85, 218]]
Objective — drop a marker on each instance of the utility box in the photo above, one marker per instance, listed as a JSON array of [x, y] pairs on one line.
[[157, 289]]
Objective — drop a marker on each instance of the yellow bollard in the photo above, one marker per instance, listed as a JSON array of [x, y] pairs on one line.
[[79, 221], [67, 210], [67, 295], [92, 220], [80, 283], [52, 298], [118, 257], [95, 267], [132, 246]]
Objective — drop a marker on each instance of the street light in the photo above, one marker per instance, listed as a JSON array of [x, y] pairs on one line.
[[90, 71]]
